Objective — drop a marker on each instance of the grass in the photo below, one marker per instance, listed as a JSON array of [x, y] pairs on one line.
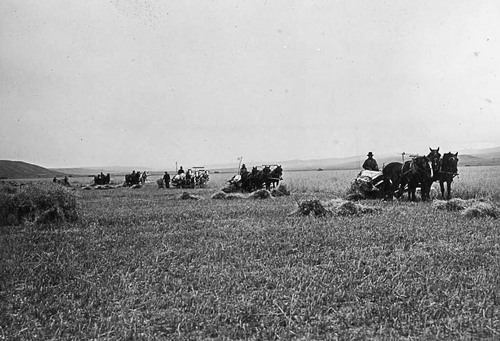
[[144, 264]]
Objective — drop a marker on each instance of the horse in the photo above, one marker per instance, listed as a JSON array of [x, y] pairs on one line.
[[435, 158], [274, 177], [392, 173], [260, 177], [416, 173], [447, 171]]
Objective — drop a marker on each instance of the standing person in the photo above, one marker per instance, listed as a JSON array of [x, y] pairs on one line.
[[180, 171], [243, 169], [166, 178], [370, 163]]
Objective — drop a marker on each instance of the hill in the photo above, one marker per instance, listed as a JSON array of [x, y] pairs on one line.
[[91, 171], [23, 170]]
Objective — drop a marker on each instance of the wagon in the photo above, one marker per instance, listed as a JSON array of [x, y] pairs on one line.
[[191, 179]]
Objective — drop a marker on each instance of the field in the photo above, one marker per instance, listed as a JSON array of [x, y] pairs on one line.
[[144, 264]]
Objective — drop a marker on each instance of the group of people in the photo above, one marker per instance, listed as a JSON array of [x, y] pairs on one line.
[[64, 182]]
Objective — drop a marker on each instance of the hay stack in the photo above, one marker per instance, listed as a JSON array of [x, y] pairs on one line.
[[455, 204], [188, 196], [338, 207], [260, 194], [471, 208], [219, 195], [482, 209], [280, 191]]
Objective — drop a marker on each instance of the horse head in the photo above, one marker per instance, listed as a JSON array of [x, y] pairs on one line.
[[435, 158], [450, 162], [277, 172]]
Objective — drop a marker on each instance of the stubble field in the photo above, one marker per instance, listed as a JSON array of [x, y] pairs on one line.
[[144, 264]]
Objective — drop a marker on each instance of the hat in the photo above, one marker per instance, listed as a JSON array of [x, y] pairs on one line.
[[369, 154]]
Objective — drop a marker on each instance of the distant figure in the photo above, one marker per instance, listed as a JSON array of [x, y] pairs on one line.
[[370, 163], [166, 178], [66, 181], [54, 180], [243, 169], [180, 171]]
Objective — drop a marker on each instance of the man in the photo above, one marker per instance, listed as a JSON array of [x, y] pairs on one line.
[[243, 169], [370, 163], [180, 171], [166, 178]]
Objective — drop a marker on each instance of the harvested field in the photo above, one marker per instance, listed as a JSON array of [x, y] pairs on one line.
[[146, 264]]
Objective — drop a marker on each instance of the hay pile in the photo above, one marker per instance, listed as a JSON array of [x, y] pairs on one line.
[[225, 196], [99, 187], [41, 205], [472, 208], [280, 191], [260, 194], [337, 207], [188, 196]]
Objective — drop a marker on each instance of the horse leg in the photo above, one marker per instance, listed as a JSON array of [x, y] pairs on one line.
[[448, 188], [441, 184]]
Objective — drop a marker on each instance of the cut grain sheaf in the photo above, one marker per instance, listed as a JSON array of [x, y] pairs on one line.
[[338, 207], [472, 208]]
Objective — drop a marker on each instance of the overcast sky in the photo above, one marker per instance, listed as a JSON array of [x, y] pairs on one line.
[[145, 82]]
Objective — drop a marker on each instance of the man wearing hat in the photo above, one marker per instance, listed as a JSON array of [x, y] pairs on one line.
[[370, 163]]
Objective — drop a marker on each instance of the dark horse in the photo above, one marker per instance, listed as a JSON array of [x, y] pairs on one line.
[[260, 177], [274, 177], [416, 173], [435, 158], [447, 171], [392, 178]]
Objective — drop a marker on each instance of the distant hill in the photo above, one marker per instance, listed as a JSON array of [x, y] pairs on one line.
[[481, 157], [88, 171], [23, 170]]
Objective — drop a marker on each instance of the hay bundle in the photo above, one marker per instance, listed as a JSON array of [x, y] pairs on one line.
[[280, 191], [188, 196], [471, 208], [219, 195], [347, 207], [455, 204], [260, 194], [308, 207], [236, 196], [38, 204], [136, 186], [482, 209], [338, 207]]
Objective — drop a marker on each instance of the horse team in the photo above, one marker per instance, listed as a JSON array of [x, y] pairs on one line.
[[257, 179], [421, 171]]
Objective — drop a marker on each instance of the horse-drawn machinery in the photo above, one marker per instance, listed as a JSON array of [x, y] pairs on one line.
[[197, 177], [256, 179]]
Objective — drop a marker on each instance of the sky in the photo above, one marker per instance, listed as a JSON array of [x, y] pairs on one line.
[[149, 83]]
